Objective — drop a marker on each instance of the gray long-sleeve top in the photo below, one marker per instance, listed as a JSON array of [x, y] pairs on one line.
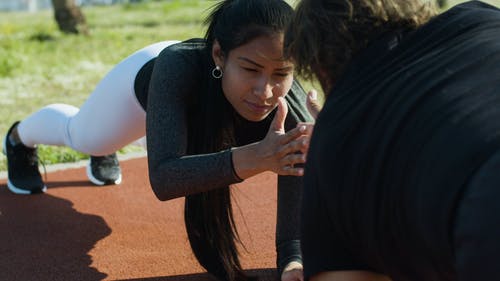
[[173, 173]]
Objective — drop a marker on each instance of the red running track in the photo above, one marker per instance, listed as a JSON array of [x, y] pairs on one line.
[[77, 231]]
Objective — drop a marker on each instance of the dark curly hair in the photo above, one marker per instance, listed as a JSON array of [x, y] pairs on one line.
[[325, 34]]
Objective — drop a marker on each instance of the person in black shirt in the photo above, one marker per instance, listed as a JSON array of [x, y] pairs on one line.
[[215, 111], [403, 172]]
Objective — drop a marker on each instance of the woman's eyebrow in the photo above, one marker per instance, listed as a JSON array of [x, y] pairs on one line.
[[250, 61], [286, 68]]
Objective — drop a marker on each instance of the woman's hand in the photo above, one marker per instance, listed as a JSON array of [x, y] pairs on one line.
[[278, 152], [281, 151], [313, 104], [293, 272]]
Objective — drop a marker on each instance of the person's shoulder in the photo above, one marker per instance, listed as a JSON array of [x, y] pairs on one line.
[[194, 44], [296, 97], [190, 49], [473, 5], [296, 92], [471, 12], [296, 100], [187, 57], [463, 22]]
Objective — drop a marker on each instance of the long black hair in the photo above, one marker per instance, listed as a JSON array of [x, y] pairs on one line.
[[208, 215]]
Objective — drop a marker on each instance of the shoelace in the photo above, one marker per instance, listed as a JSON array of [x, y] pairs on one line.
[[34, 160], [107, 160]]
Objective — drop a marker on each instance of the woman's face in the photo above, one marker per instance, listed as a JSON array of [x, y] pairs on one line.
[[255, 75]]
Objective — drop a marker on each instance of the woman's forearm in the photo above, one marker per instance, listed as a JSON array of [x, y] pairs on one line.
[[178, 177], [247, 162]]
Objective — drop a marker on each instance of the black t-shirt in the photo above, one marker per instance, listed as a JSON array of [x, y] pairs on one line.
[[395, 149]]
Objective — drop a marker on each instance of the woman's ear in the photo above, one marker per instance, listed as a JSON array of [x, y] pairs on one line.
[[217, 54]]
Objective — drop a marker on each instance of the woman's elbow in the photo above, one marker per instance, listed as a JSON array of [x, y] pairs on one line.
[[159, 186]]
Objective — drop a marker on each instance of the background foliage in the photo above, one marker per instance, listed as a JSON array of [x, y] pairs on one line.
[[39, 65]]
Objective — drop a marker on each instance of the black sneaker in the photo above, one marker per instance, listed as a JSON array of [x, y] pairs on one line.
[[22, 164], [103, 170]]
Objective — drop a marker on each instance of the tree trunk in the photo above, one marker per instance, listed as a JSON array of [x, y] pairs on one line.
[[69, 17]]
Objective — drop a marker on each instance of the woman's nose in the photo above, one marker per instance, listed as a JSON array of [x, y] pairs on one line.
[[263, 89]]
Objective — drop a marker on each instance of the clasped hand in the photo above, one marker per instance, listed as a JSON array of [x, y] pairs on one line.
[[284, 152], [280, 152]]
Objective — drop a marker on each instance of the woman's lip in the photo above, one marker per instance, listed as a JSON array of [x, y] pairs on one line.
[[258, 108]]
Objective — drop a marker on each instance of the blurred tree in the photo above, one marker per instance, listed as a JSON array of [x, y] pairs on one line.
[[442, 3], [69, 17]]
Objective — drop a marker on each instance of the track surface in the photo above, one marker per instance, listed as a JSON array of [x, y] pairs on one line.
[[77, 231]]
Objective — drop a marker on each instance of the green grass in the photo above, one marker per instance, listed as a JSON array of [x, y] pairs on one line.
[[39, 65]]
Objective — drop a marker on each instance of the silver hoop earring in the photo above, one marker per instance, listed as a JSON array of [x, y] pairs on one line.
[[217, 72]]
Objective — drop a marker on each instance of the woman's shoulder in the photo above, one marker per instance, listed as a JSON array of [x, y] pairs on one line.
[[193, 44], [296, 100], [296, 94], [185, 58], [192, 50]]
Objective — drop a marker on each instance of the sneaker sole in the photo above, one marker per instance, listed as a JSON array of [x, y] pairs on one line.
[[14, 188], [17, 190], [99, 182]]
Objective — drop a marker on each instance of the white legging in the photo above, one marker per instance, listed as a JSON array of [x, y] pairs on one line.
[[110, 118]]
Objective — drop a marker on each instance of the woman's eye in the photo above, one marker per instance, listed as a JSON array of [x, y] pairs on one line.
[[250, 69], [281, 74]]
